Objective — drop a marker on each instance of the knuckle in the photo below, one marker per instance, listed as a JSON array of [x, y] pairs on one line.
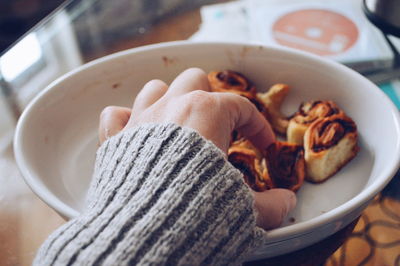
[[154, 83], [234, 102], [199, 98], [196, 71], [149, 87], [108, 111]]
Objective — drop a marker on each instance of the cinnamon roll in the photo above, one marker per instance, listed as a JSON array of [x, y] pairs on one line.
[[272, 100], [329, 143], [321, 139], [248, 160], [231, 81], [285, 165], [281, 165], [309, 112]]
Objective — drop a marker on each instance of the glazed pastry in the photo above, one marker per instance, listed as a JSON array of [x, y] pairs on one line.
[[329, 143], [272, 100], [306, 115], [231, 81], [320, 137], [280, 166], [247, 159], [285, 165]]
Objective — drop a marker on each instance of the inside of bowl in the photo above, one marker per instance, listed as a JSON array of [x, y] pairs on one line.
[[63, 123]]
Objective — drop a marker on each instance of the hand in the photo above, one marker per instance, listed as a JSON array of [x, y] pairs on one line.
[[188, 102]]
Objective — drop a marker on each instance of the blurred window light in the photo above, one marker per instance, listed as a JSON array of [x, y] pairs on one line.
[[21, 57]]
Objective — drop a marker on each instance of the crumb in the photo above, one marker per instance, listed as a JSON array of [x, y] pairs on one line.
[[168, 60], [116, 85]]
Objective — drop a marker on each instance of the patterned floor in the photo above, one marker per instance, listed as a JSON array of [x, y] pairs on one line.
[[376, 238]]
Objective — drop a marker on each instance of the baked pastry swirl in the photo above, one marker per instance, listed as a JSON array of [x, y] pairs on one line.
[[231, 81], [272, 100], [321, 139], [329, 143], [281, 165], [309, 112], [234, 82], [285, 165], [245, 157]]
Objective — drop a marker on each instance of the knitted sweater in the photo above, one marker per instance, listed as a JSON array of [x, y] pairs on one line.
[[160, 195]]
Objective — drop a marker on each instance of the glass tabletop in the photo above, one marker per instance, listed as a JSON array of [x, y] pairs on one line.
[[83, 30]]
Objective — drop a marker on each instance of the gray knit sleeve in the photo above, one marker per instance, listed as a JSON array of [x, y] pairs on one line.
[[160, 195]]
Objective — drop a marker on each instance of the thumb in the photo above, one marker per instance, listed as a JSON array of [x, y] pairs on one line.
[[272, 206], [112, 120]]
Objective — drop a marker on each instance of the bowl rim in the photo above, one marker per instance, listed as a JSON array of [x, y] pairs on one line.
[[274, 235]]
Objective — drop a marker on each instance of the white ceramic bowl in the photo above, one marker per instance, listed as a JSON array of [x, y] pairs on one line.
[[56, 136]]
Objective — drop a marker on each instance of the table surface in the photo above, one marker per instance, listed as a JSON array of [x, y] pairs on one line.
[[80, 31]]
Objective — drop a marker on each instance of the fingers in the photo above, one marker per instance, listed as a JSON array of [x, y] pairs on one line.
[[151, 92], [112, 120], [189, 80], [272, 206], [248, 120]]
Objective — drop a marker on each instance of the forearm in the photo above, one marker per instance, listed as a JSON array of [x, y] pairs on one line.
[[161, 195]]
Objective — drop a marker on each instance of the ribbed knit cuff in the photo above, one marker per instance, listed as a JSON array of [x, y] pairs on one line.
[[160, 194]]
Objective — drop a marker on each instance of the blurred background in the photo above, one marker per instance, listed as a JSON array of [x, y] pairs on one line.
[[19, 16]]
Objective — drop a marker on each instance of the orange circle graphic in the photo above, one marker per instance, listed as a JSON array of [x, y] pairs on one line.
[[322, 32]]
